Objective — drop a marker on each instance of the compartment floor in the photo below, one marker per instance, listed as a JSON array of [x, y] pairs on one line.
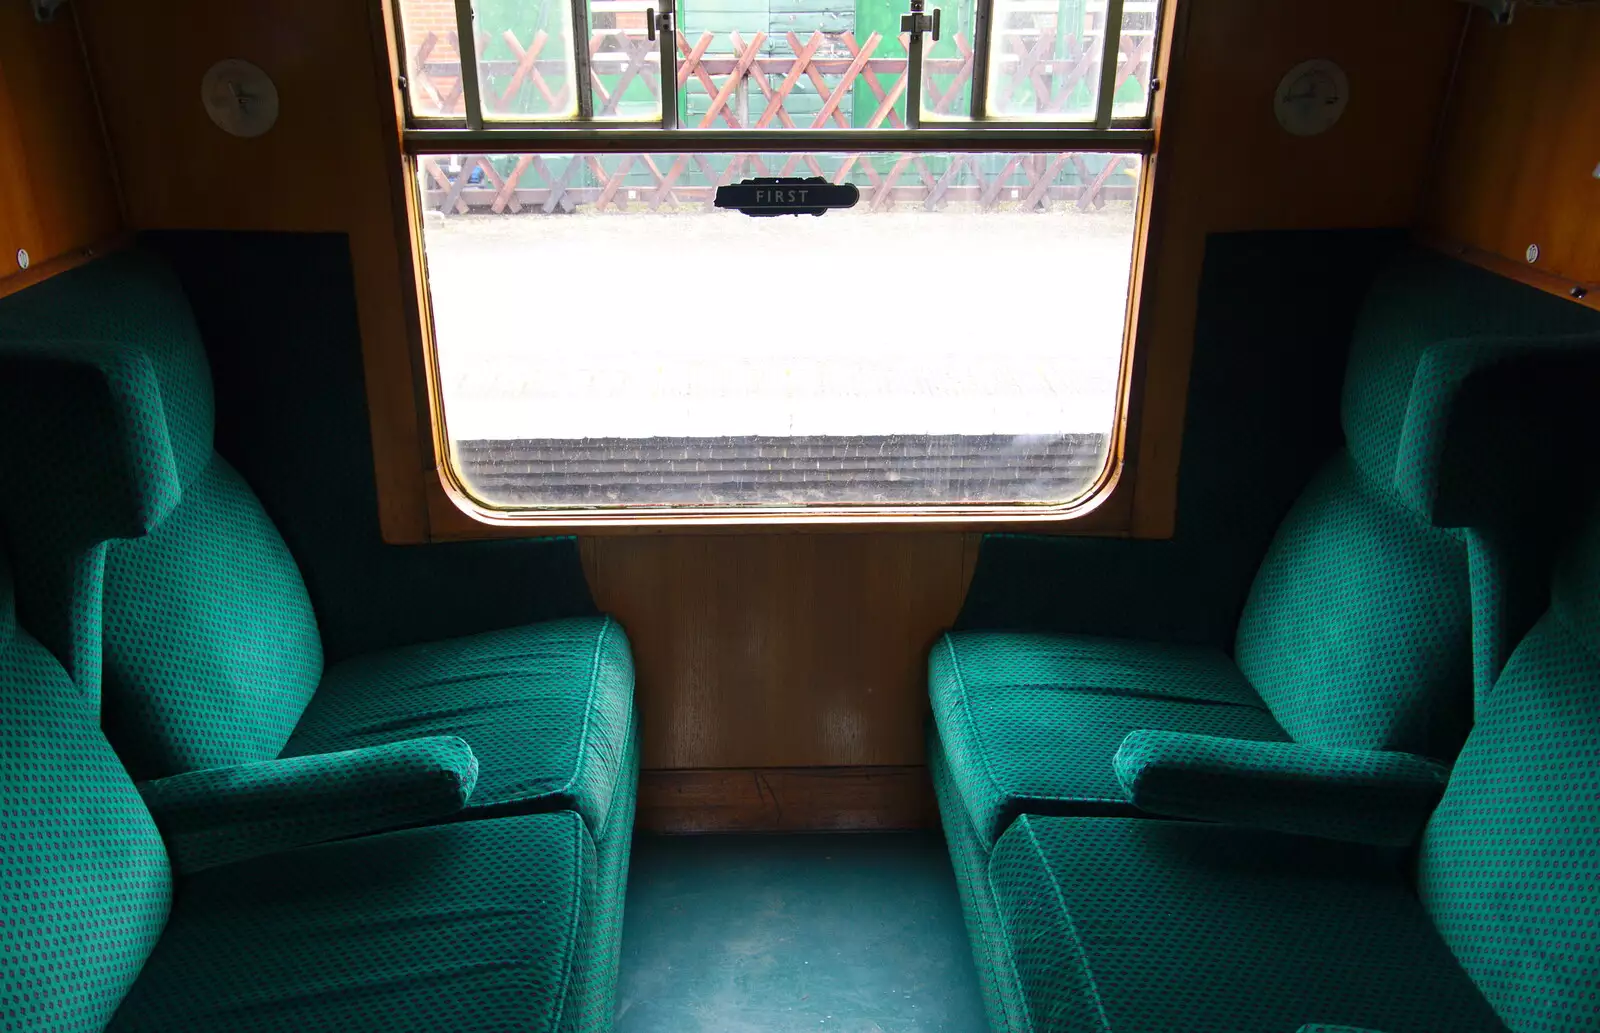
[[773, 934]]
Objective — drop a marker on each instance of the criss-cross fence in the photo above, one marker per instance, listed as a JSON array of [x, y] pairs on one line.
[[747, 85]]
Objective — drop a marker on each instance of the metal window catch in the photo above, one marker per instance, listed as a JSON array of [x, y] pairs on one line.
[[917, 23], [654, 23]]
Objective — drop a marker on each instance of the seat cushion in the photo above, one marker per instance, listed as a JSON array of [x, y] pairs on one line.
[[464, 927], [1031, 722], [1119, 926], [546, 708]]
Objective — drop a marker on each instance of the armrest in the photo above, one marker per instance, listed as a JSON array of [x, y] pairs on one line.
[[222, 815], [1360, 796]]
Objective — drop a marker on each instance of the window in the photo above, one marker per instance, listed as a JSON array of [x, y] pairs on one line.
[[609, 338]]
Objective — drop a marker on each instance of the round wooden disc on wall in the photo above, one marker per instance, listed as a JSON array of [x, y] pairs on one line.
[[1311, 98], [240, 98]]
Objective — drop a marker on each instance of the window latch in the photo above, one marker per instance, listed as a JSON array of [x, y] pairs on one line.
[[916, 22], [654, 23]]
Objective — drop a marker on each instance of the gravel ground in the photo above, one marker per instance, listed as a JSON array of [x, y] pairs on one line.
[[712, 323]]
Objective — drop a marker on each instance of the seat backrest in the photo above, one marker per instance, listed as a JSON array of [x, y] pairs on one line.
[[85, 884], [1359, 629], [1510, 862], [211, 650]]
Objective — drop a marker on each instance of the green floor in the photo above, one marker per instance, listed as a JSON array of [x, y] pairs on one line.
[[773, 934]]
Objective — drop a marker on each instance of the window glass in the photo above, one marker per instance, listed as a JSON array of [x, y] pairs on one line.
[[605, 337], [1045, 59]]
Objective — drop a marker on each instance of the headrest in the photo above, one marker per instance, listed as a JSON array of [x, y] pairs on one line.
[[1495, 429], [86, 455], [1575, 593], [129, 300], [1421, 299]]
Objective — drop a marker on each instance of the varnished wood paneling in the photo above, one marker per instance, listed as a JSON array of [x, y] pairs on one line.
[[787, 800], [1225, 165], [57, 192], [768, 649], [326, 166], [1521, 158], [781, 650]]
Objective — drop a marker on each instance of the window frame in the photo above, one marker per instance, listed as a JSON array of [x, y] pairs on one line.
[[450, 511]]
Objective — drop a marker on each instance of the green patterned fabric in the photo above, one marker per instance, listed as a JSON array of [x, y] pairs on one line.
[[969, 856], [132, 301], [1509, 865], [211, 647], [84, 881], [591, 1005], [222, 815], [1130, 926], [1030, 722], [1360, 796], [86, 459], [469, 927], [1492, 434], [547, 709], [1358, 628], [1428, 477]]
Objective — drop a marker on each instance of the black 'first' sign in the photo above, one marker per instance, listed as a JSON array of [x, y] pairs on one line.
[[786, 195]]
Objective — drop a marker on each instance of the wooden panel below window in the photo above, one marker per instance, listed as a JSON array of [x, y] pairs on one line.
[[1520, 164], [787, 800], [781, 650]]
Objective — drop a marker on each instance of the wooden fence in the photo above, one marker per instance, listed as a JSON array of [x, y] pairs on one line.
[[534, 82]]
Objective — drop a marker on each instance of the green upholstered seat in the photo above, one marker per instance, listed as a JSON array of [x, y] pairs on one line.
[[1112, 924], [84, 880], [211, 653], [1144, 926], [1384, 594], [1028, 723], [1510, 862], [472, 926], [491, 925], [547, 709]]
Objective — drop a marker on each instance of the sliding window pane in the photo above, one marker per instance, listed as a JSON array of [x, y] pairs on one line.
[[947, 64], [1136, 56], [432, 60], [606, 338], [525, 59], [625, 63], [1044, 59], [759, 64]]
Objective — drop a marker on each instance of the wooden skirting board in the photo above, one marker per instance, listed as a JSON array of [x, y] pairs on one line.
[[833, 799]]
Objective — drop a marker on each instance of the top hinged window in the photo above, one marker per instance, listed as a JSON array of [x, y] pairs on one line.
[[808, 67]]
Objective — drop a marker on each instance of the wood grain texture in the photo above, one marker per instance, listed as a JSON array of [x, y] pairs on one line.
[[781, 650], [57, 191], [1521, 145], [770, 649], [325, 166], [1224, 164], [787, 800]]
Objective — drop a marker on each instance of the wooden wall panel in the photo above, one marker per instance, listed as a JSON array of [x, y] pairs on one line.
[[57, 192], [325, 166], [781, 650], [1225, 165], [770, 649], [1520, 163]]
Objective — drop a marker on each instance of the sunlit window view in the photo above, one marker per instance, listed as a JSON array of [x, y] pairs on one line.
[[606, 337], [949, 333]]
